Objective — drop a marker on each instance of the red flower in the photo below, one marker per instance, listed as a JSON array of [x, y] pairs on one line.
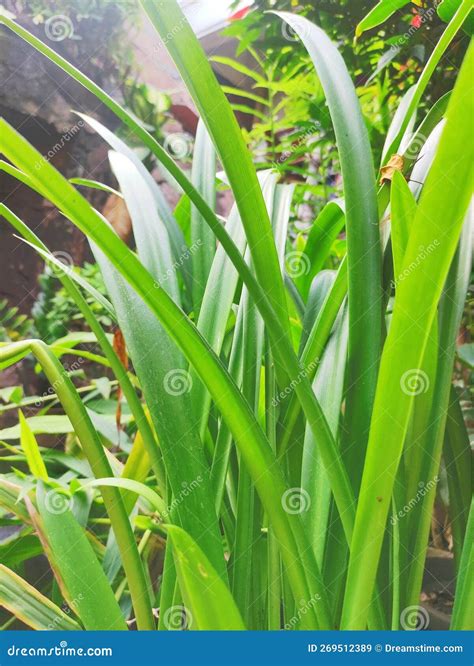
[[416, 21], [240, 14]]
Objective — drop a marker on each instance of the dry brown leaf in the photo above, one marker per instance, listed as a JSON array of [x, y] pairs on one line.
[[121, 351], [395, 163]]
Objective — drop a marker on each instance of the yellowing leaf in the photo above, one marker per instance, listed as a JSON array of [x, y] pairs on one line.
[[31, 449]]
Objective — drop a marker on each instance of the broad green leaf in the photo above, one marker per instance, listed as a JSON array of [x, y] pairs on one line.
[[81, 577], [30, 606], [149, 231], [250, 340], [328, 386], [315, 344], [52, 424], [206, 596], [275, 325], [430, 121], [318, 295], [219, 295], [58, 424]]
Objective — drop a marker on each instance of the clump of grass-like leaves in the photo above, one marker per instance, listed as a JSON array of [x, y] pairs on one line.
[[273, 461]]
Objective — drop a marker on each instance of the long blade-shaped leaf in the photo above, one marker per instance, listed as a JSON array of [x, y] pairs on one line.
[[30, 606], [73, 560], [203, 242], [162, 368], [219, 118], [363, 242]]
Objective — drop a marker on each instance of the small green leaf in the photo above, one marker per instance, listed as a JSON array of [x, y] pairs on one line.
[[380, 13], [30, 447]]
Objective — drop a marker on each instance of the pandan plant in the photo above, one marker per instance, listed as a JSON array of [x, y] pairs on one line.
[[290, 421]]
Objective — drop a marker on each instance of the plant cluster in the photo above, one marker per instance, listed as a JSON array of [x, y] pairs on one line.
[[272, 457]]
